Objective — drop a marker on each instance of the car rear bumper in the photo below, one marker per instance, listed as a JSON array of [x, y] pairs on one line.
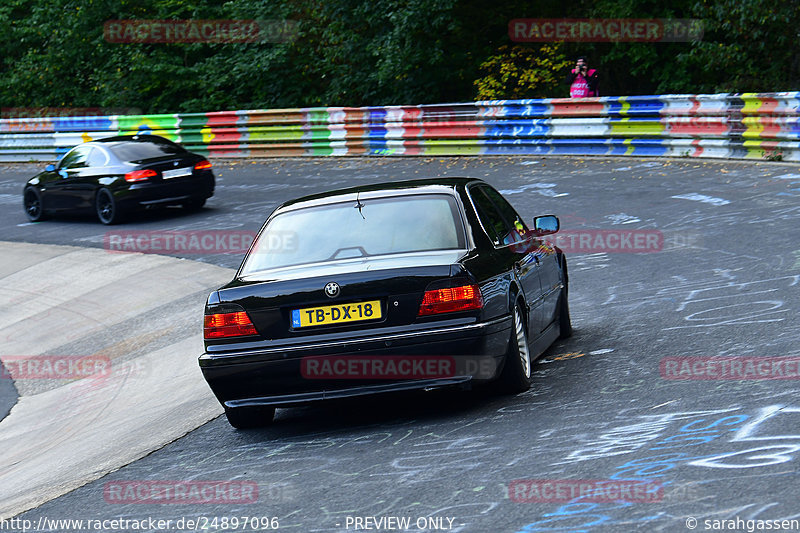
[[430, 358], [164, 193]]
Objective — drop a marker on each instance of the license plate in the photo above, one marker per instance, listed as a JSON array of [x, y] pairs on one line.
[[336, 314], [177, 173]]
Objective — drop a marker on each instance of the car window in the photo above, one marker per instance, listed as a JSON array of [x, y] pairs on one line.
[[140, 150], [96, 158], [508, 212], [517, 228], [401, 224], [496, 213], [75, 158], [489, 215]]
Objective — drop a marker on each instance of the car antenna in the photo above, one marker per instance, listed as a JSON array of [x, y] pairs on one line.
[[359, 205]]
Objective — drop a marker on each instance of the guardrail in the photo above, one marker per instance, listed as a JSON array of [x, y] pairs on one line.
[[746, 126]]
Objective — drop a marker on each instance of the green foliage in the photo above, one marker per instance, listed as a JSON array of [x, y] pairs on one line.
[[516, 72], [377, 52], [773, 155], [747, 46]]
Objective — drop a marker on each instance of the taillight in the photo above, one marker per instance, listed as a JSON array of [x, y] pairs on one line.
[[450, 300], [140, 175], [223, 325], [202, 165]]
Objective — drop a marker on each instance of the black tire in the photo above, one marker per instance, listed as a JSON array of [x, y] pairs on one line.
[[516, 375], [32, 201], [250, 417], [564, 321], [195, 204], [107, 209]]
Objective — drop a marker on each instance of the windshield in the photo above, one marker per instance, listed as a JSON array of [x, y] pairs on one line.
[[358, 229]]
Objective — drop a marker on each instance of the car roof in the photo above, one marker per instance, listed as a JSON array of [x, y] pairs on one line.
[[377, 190], [120, 139], [139, 137]]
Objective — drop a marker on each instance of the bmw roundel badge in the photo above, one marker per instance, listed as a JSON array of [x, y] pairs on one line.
[[332, 289]]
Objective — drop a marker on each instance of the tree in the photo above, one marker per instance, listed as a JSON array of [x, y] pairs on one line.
[[377, 52], [522, 72]]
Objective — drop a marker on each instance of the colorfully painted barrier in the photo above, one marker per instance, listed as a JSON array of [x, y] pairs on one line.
[[741, 126]]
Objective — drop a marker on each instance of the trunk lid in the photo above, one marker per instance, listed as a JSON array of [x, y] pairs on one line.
[[275, 299], [180, 165]]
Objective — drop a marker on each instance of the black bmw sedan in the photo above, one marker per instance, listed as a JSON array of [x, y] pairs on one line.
[[118, 175], [382, 288]]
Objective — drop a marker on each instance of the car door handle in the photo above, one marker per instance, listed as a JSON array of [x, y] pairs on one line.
[[519, 264]]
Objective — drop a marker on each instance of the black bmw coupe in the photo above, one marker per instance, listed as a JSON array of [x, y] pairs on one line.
[[381, 288], [118, 175]]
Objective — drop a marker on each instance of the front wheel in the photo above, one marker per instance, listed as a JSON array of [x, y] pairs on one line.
[[250, 417], [107, 208], [32, 201], [516, 375]]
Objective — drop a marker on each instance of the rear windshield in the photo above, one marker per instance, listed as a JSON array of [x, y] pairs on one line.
[[136, 151], [343, 231]]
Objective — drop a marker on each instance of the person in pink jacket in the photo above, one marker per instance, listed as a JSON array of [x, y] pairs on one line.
[[582, 80]]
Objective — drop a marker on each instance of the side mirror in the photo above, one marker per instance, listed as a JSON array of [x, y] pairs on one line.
[[545, 225], [49, 168]]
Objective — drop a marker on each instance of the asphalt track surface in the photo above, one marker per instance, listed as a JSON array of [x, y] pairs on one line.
[[603, 405]]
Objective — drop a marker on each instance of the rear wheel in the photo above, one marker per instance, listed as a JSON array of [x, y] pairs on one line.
[[564, 321], [32, 200], [516, 375], [106, 207], [250, 417], [194, 204]]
